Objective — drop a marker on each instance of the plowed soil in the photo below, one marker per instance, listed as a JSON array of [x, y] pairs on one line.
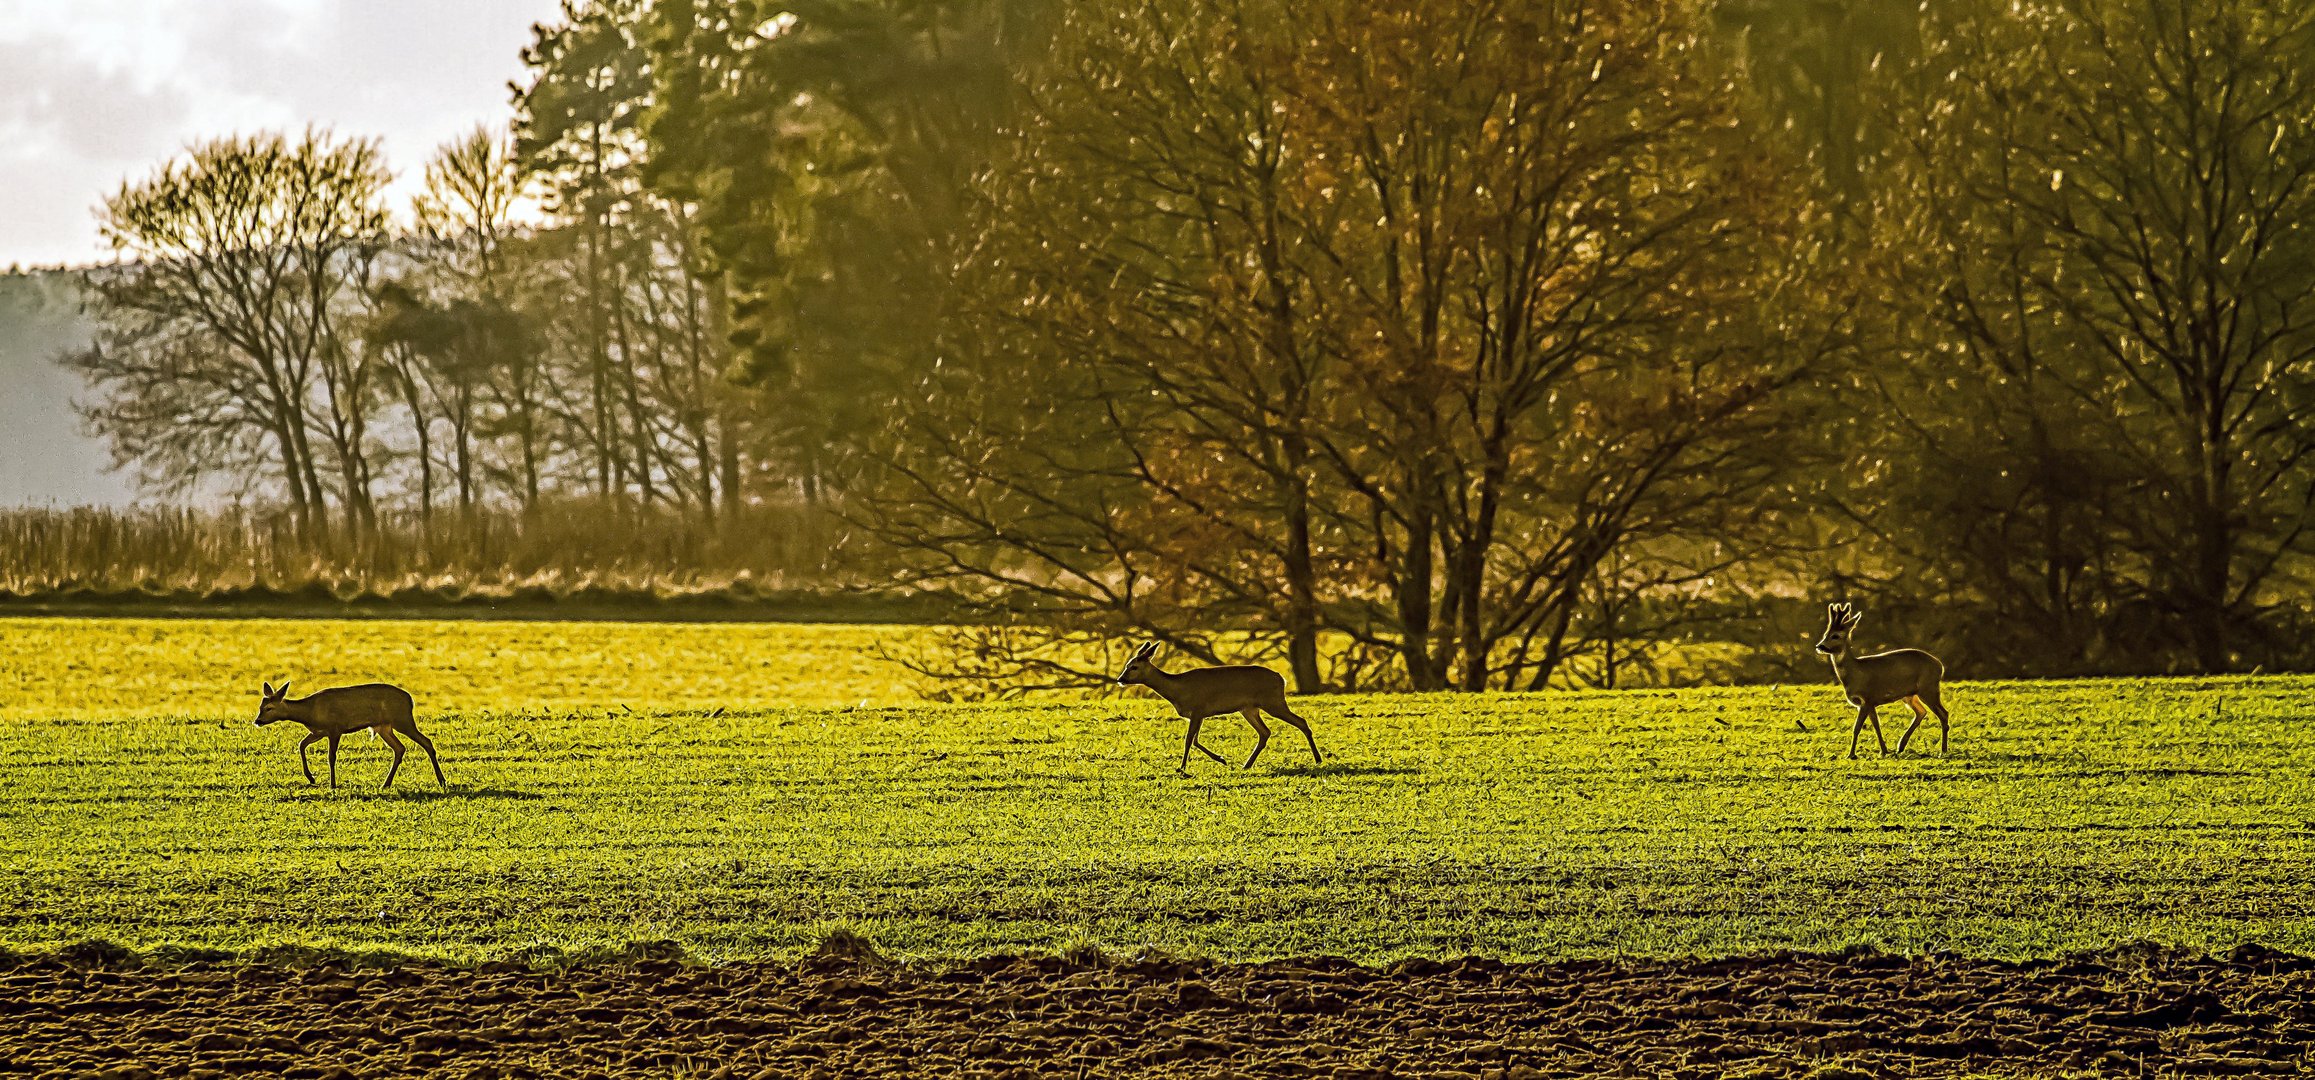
[[2131, 1012]]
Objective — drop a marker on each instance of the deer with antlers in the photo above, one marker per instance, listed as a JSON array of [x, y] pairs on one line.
[[1869, 682]]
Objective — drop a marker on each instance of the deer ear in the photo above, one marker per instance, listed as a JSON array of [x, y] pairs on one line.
[[284, 691], [268, 691]]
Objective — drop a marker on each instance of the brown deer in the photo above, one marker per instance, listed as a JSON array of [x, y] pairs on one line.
[[340, 711], [1207, 692], [1869, 682]]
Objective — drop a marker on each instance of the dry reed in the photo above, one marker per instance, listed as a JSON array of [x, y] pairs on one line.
[[553, 551]]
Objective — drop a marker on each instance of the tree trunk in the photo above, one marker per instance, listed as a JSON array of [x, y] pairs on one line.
[[1301, 579], [1415, 583], [424, 432], [2206, 614], [1471, 568], [293, 472], [530, 454], [462, 448], [1554, 651], [731, 466], [629, 386], [308, 473]]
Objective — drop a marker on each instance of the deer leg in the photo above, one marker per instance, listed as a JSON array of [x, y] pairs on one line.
[[1874, 711], [386, 732], [427, 745], [1919, 714], [333, 761], [1261, 735], [1944, 719], [311, 738], [1199, 725], [1858, 731], [1283, 713], [1191, 740]]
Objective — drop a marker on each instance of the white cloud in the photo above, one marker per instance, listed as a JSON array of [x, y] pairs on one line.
[[96, 91], [62, 103]]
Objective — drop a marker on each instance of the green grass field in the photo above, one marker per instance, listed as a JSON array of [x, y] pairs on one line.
[[725, 787]]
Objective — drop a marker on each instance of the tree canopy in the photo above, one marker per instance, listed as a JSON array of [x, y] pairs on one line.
[[1496, 345]]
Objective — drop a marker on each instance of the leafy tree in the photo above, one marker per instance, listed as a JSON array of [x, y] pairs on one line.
[[1813, 68], [657, 415], [1390, 326], [577, 130], [828, 147]]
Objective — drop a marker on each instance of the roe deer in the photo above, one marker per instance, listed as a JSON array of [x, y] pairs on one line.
[[341, 711], [1213, 691], [1869, 682]]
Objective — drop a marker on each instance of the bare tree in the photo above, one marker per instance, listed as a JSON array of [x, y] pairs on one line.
[[238, 267], [2105, 198], [462, 341]]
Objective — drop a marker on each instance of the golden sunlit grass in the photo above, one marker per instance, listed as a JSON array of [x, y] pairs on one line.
[[118, 670]]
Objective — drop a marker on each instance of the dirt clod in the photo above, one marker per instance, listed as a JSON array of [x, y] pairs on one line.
[[849, 1012]]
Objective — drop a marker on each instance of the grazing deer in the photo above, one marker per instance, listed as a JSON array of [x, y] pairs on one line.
[[341, 711], [1213, 691], [1869, 682]]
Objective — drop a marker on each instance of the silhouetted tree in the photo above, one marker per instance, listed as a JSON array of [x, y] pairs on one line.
[[829, 148], [225, 322], [1388, 326], [2105, 441]]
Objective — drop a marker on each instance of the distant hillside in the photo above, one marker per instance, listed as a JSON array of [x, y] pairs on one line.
[[45, 458]]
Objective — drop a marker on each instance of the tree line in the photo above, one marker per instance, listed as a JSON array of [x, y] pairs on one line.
[[1469, 346], [538, 325]]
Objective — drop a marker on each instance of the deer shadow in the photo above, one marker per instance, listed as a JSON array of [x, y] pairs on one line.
[[417, 794], [1334, 768], [459, 794]]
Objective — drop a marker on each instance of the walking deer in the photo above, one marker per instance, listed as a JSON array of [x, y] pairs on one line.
[[1869, 682], [340, 711], [1209, 692]]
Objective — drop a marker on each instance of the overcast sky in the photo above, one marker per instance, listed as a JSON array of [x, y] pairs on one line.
[[93, 92]]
